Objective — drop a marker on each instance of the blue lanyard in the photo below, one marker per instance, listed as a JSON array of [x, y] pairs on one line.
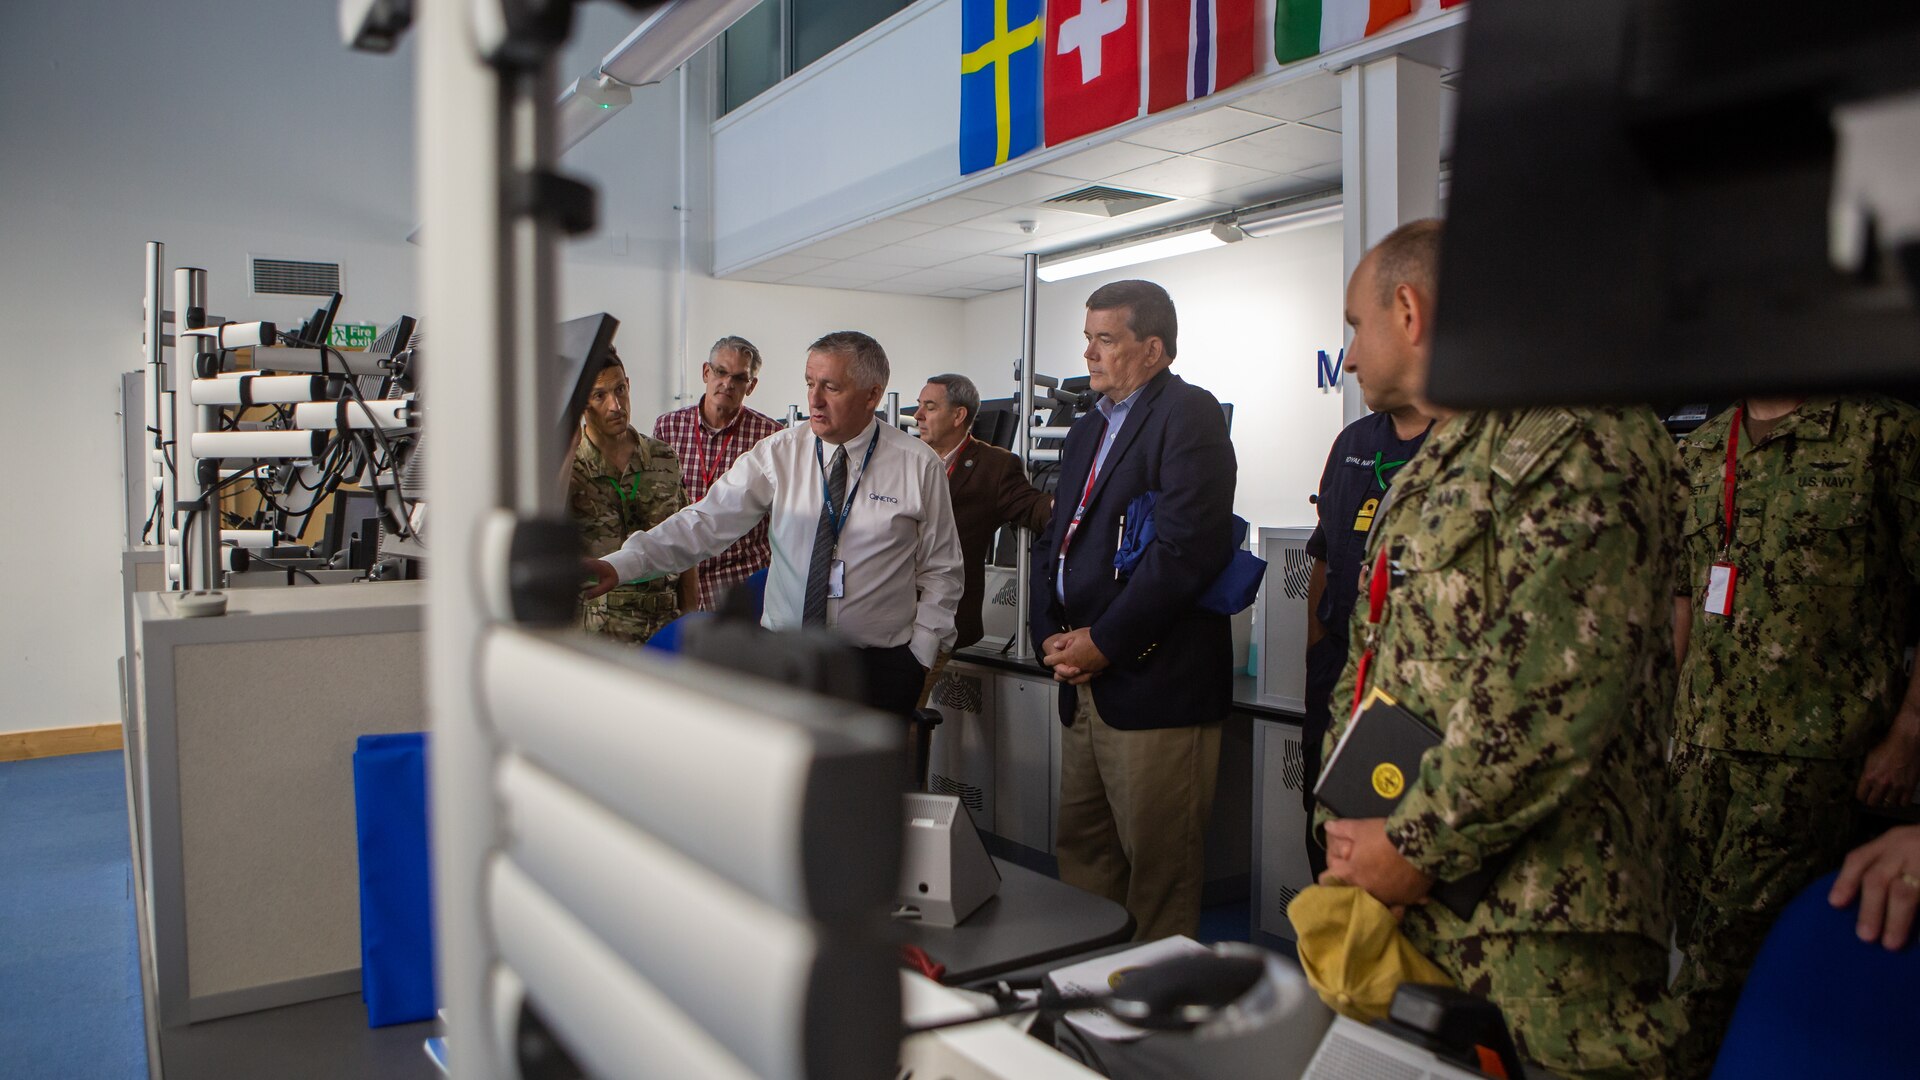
[[839, 519]]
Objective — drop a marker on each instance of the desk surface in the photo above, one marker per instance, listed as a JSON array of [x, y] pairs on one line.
[[1033, 919]]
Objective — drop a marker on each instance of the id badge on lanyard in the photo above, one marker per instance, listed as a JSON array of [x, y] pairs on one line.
[[1722, 576]]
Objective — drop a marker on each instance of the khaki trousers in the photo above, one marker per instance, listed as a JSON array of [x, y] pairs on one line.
[[1134, 807]]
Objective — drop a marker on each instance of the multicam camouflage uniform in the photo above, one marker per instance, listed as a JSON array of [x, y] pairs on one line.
[[609, 508], [1780, 702], [1530, 619]]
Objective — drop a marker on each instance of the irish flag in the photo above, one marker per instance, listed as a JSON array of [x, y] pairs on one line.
[[1303, 28]]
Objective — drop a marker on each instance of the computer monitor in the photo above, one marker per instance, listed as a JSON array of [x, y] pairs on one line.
[[584, 344], [355, 513], [315, 331]]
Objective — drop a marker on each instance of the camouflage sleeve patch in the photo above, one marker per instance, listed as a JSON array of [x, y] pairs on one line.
[[1534, 444]]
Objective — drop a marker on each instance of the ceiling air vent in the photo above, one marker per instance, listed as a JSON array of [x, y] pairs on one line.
[[1102, 201], [293, 277]]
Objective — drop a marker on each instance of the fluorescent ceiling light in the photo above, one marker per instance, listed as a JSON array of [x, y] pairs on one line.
[[1289, 218], [588, 102], [1127, 254]]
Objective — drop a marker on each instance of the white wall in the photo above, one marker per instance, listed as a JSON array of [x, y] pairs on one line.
[[1252, 316]]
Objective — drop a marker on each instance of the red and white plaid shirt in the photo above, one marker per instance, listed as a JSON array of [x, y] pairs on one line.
[[705, 454]]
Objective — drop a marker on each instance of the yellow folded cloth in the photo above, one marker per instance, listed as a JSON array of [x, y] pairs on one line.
[[1353, 952]]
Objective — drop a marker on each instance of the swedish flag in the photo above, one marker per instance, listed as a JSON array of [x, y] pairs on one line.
[[1000, 45]]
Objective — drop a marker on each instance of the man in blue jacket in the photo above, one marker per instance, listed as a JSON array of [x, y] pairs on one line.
[[1145, 673]]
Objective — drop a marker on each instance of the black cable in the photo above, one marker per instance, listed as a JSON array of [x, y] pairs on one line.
[[283, 566]]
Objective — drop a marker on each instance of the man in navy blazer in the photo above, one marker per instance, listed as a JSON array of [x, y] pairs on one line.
[[1145, 674]]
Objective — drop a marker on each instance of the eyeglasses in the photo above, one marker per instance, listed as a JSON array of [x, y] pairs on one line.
[[737, 378]]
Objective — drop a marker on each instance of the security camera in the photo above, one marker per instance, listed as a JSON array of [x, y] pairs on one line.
[[374, 25]]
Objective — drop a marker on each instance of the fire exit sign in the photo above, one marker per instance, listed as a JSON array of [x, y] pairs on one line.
[[352, 335]]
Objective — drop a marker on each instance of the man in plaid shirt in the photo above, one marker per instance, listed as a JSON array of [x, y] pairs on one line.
[[709, 437]]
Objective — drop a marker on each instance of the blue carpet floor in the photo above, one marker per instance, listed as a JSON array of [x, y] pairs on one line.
[[69, 959]]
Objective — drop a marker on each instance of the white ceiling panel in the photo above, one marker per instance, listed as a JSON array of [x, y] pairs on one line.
[[1302, 97], [1190, 133], [838, 247], [1326, 121], [889, 231], [902, 255], [995, 265], [961, 240], [791, 264], [1026, 187], [961, 294], [1191, 177], [1269, 190], [949, 211], [941, 279], [1287, 148], [1322, 174], [862, 269], [1101, 162]]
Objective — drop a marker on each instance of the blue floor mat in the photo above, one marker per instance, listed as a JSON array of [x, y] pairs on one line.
[[69, 960]]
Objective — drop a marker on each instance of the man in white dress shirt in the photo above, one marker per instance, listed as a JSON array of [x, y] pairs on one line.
[[860, 521]]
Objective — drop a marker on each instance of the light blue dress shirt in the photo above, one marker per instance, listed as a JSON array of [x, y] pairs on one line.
[[1116, 419]]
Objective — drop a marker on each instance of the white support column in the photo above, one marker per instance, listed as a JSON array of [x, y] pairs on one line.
[[1390, 160], [460, 123]]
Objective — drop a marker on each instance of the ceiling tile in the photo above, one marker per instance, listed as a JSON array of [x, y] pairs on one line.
[[889, 231], [790, 264], [1305, 96], [830, 281], [1100, 162], [898, 255], [1190, 133], [961, 294], [954, 208], [1284, 149], [897, 286], [863, 269], [996, 265], [1046, 221], [1265, 191], [1326, 121], [960, 240], [1187, 176], [760, 276], [838, 247], [1025, 187], [940, 278], [1322, 174], [995, 284]]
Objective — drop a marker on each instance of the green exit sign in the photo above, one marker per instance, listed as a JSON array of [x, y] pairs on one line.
[[352, 335]]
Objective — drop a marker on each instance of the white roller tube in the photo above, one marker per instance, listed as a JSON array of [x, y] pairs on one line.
[[248, 538], [258, 444], [740, 968], [388, 414], [610, 1018], [237, 335], [1046, 455], [258, 390], [1043, 432]]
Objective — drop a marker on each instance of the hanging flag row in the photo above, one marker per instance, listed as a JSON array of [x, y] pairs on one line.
[[1083, 60]]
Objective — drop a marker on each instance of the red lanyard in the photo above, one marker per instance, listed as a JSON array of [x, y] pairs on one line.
[[1093, 470], [958, 454], [1733, 447], [1376, 607], [716, 456]]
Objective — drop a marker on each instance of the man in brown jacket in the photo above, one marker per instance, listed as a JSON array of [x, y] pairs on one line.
[[989, 488]]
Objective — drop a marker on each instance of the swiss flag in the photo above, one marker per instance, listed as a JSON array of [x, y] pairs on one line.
[[1195, 47], [1093, 66]]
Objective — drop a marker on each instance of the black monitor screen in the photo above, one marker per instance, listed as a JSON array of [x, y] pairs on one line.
[[354, 513], [584, 343]]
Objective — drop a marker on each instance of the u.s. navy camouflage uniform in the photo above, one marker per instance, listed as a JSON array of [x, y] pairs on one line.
[[608, 509], [1529, 618], [1780, 702]]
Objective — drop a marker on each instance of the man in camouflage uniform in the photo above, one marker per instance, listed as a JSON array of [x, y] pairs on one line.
[[625, 482], [1796, 702], [1523, 621]]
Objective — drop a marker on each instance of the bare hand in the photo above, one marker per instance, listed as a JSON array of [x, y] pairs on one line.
[[1359, 853], [1885, 874], [1073, 656], [1892, 769], [605, 578]]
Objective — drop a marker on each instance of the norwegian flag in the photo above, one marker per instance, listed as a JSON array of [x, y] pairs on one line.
[[1092, 66], [1195, 47]]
